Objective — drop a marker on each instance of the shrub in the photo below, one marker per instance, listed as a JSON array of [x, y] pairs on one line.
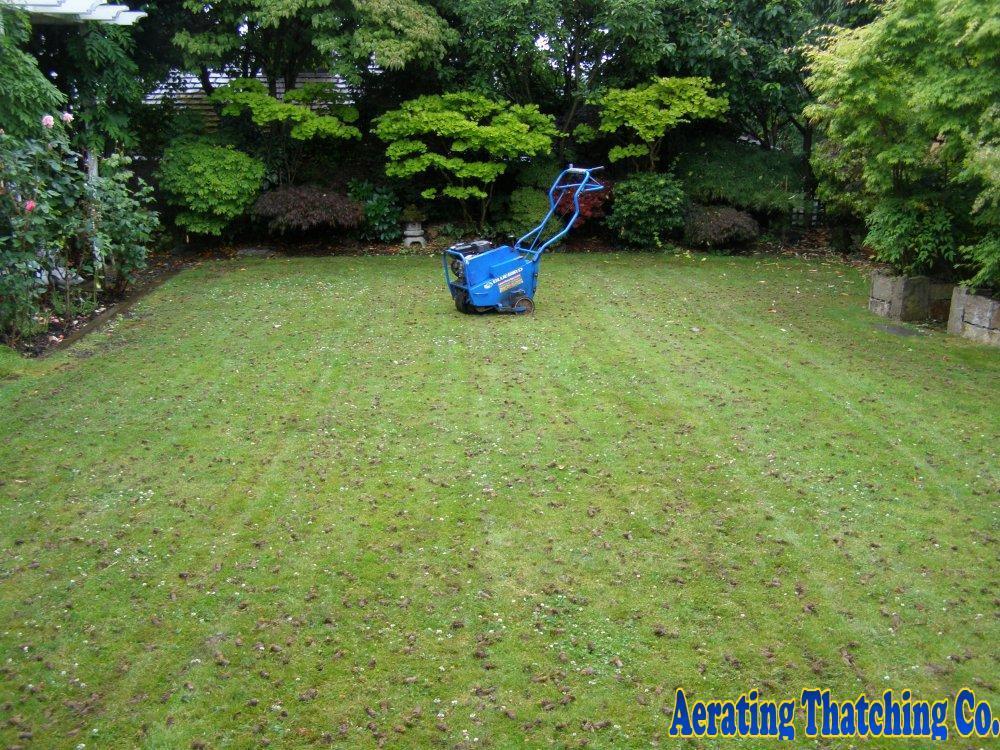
[[526, 208], [57, 225], [538, 173], [157, 125], [542, 171], [312, 113], [911, 237], [717, 170], [41, 191], [20, 293], [305, 207], [718, 227], [211, 184], [123, 221], [294, 111], [984, 257], [906, 107], [646, 113], [592, 205], [382, 213], [459, 144], [647, 208]]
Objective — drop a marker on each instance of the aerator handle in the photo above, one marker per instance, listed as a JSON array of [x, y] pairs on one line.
[[528, 245]]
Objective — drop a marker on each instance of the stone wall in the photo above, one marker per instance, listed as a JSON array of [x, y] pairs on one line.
[[909, 297], [974, 316]]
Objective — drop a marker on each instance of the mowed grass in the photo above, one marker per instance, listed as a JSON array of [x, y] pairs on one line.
[[304, 501]]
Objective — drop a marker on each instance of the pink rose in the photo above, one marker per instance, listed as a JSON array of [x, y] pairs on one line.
[[29, 206], [48, 121], [67, 117]]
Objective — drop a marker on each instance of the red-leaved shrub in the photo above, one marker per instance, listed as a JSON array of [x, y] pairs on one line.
[[304, 207], [591, 205]]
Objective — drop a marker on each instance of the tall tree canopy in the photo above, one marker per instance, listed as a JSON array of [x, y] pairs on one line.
[[909, 107], [281, 38], [556, 53]]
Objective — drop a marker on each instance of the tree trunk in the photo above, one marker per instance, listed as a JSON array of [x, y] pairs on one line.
[[806, 130], [807, 145], [206, 81]]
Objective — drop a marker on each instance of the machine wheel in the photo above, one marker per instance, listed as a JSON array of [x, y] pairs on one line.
[[462, 303], [523, 305]]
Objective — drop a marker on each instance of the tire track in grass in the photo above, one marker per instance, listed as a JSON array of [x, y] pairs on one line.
[[260, 522], [824, 382], [742, 344], [388, 371], [388, 346], [615, 350], [237, 509]]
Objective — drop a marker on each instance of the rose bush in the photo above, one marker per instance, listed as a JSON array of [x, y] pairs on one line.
[[58, 230]]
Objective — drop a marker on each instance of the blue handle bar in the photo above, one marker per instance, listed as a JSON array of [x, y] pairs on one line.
[[528, 244]]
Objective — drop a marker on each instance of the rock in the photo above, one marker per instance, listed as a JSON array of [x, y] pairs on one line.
[[906, 298], [974, 316]]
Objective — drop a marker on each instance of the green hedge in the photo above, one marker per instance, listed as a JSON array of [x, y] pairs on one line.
[[717, 170]]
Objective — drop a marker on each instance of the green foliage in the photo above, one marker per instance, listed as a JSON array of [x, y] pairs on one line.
[[718, 170], [41, 191], [913, 238], [459, 144], [757, 58], [984, 258], [249, 95], [20, 296], [539, 172], [25, 93], [284, 37], [123, 223], [648, 207], [101, 79], [211, 184], [719, 228], [756, 52], [280, 129], [93, 65], [526, 208], [382, 213], [395, 33], [56, 224], [588, 44], [412, 213], [156, 125], [908, 105], [647, 112]]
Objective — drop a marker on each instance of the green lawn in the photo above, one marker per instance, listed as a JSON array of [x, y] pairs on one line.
[[305, 501]]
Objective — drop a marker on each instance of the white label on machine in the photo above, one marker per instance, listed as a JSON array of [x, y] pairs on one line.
[[507, 280]]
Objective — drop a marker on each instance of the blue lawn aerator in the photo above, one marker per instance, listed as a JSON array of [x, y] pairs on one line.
[[483, 278]]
